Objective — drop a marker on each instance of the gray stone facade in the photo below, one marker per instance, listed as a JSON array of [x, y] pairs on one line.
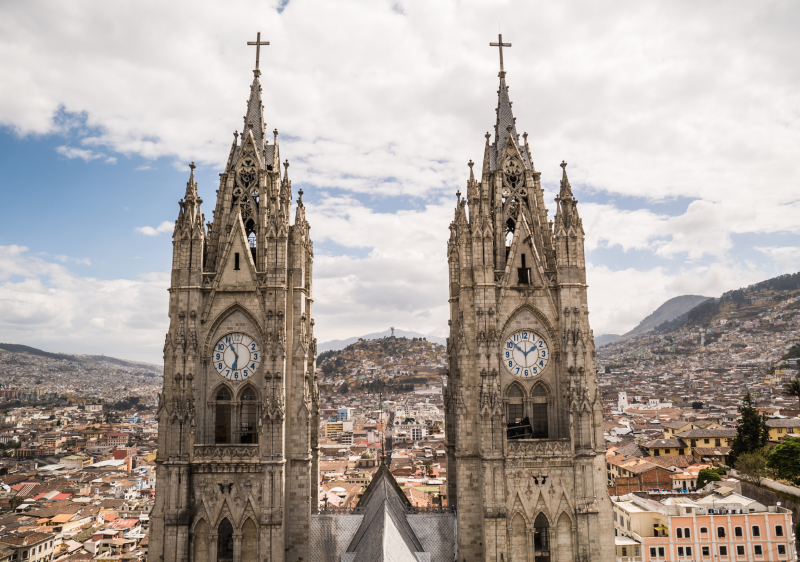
[[534, 492], [237, 462]]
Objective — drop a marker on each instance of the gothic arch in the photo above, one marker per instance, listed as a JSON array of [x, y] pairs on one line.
[[555, 339], [222, 316], [202, 541], [222, 384], [548, 391], [245, 387], [515, 384]]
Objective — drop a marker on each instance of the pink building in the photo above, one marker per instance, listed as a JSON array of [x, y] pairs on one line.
[[721, 527]]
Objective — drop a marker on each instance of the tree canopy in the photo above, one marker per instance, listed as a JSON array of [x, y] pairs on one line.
[[751, 431], [784, 460]]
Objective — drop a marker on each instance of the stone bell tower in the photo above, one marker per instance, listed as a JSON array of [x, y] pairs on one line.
[[237, 463], [525, 450]]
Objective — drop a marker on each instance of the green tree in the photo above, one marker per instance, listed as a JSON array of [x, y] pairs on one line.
[[792, 388], [752, 466], [697, 405], [751, 431], [345, 388], [784, 459], [705, 476]]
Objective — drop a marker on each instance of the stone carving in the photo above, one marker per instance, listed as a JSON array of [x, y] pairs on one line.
[[225, 453], [539, 448]]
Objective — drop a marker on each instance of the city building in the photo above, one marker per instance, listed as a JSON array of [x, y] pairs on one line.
[[721, 527]]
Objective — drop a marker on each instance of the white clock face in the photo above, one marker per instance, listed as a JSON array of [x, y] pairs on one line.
[[236, 356], [525, 354]]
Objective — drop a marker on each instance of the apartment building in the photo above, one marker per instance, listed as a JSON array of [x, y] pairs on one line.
[[721, 527]]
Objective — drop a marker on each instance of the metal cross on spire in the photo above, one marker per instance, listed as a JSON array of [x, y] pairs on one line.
[[258, 42], [499, 44]]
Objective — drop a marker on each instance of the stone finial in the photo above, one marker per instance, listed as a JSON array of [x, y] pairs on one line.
[[487, 135], [509, 126], [192, 166], [525, 136], [563, 165], [236, 135], [300, 197], [470, 164]]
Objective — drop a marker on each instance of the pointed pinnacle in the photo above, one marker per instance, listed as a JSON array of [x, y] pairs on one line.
[[563, 165], [470, 164], [192, 166]]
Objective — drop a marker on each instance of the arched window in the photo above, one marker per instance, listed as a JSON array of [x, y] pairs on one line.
[[248, 433], [687, 533], [515, 406], [679, 533], [541, 538], [222, 415], [225, 541], [539, 425]]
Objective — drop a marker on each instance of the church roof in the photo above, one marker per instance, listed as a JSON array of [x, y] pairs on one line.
[[385, 533]]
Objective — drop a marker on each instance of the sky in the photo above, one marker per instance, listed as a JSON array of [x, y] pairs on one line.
[[680, 122]]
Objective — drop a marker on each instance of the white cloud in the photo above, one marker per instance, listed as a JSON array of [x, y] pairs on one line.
[[402, 281], [86, 155], [652, 101], [164, 228], [46, 306]]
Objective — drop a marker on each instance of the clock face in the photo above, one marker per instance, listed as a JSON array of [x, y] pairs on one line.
[[525, 354], [236, 356]]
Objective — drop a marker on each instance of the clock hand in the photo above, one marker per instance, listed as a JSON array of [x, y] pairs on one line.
[[235, 361]]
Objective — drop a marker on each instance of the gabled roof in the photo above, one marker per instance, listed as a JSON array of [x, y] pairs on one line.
[[385, 533]]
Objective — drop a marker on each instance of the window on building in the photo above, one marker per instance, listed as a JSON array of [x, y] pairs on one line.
[[706, 551], [716, 443], [737, 532], [682, 452], [688, 551], [615, 517], [757, 550], [652, 552], [706, 441], [756, 531], [541, 534], [248, 433], [782, 549], [636, 551], [687, 534], [721, 532], [657, 454], [679, 533], [666, 451], [524, 272], [539, 424], [723, 550], [515, 406], [624, 551], [680, 551], [24, 554], [222, 421], [661, 552], [236, 261], [778, 530], [703, 530], [740, 550]]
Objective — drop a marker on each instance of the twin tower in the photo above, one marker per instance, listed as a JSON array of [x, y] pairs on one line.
[[238, 461]]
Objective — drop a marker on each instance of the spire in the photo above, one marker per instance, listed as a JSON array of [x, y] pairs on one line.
[[506, 124], [566, 189], [191, 185], [255, 115]]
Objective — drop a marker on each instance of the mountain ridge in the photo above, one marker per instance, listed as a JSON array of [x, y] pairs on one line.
[[341, 344], [668, 311]]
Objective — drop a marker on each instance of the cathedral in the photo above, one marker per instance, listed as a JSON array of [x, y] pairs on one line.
[[238, 460]]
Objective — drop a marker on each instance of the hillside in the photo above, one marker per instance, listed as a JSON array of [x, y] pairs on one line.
[[746, 303], [341, 344], [668, 311], [386, 364]]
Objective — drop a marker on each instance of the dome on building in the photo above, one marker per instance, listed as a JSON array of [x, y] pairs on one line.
[[366, 455]]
